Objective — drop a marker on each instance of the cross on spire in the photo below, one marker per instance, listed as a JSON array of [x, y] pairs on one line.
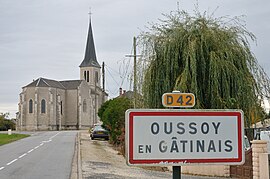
[[90, 13], [90, 59]]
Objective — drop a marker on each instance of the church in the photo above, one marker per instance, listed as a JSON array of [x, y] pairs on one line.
[[47, 104]]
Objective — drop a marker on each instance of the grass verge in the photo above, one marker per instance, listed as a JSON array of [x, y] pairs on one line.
[[5, 138]]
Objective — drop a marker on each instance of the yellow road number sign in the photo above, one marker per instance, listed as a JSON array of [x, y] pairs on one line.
[[178, 100]]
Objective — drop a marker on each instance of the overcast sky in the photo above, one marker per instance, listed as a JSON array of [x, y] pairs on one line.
[[47, 38]]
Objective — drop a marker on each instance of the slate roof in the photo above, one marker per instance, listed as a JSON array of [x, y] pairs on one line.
[[43, 82], [90, 59], [71, 84]]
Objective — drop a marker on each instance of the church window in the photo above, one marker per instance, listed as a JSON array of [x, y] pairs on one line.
[[96, 76], [84, 75], [84, 106], [61, 107], [43, 106], [87, 76], [30, 106]]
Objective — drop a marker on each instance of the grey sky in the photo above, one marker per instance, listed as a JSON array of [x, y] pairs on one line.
[[47, 38]]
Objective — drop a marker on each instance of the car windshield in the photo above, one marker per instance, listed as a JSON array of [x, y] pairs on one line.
[[98, 128]]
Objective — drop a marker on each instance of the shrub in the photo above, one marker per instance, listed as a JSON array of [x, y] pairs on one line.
[[5, 123], [112, 114]]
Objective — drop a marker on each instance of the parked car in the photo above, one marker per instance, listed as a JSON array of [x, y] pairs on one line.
[[98, 132]]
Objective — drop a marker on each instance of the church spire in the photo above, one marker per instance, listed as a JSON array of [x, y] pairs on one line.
[[90, 59]]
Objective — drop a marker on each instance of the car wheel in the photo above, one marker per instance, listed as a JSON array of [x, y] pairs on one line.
[[92, 138]]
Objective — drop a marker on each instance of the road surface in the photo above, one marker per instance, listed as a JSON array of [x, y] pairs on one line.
[[42, 155]]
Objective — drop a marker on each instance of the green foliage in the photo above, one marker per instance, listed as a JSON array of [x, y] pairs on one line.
[[112, 114], [5, 123], [207, 56], [5, 138]]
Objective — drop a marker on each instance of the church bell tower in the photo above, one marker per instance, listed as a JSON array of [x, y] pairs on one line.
[[90, 68]]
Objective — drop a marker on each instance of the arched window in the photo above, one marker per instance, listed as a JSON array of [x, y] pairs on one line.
[[30, 106], [87, 76], [84, 106], [61, 107], [84, 75], [43, 106]]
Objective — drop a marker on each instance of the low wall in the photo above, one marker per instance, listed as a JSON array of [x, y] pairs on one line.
[[258, 148], [207, 170]]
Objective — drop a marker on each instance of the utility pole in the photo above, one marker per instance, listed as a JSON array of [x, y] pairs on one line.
[[134, 70], [103, 82], [95, 80], [103, 76]]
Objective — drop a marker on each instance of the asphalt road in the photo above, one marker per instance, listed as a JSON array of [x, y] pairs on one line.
[[41, 156]]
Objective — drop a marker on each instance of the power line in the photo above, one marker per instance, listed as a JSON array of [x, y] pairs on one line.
[[112, 69], [111, 93], [112, 76]]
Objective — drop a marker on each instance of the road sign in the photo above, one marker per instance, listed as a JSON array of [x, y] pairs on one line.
[[178, 99], [174, 137]]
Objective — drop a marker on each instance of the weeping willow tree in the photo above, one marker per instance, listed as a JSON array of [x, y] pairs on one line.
[[207, 56]]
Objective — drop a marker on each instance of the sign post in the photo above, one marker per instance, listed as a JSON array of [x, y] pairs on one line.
[[176, 172], [176, 99], [162, 137]]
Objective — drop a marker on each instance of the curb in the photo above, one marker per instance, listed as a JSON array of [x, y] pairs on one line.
[[79, 163]]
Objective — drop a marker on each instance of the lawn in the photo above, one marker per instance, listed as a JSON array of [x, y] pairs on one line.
[[5, 138]]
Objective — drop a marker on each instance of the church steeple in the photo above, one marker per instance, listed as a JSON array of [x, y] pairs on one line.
[[90, 68], [90, 59]]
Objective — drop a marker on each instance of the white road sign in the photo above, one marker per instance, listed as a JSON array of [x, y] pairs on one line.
[[179, 137]]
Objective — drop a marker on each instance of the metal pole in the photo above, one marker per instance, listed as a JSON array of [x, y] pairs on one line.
[[176, 172], [176, 169]]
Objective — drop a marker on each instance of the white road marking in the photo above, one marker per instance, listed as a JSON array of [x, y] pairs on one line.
[[54, 135], [46, 141], [50, 139], [42, 143], [12, 161], [23, 155], [30, 151]]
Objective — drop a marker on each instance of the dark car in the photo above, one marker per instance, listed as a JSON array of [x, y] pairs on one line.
[[98, 132]]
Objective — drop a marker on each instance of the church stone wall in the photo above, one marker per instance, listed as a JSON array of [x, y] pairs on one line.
[[62, 111], [42, 118], [86, 119], [52, 119], [30, 118], [21, 121], [52, 109], [55, 117], [71, 109], [92, 75]]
